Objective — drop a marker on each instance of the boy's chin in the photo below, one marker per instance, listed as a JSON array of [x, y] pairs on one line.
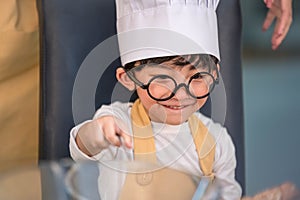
[[171, 120], [176, 121]]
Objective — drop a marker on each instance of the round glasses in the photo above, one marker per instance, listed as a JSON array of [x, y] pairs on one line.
[[164, 87]]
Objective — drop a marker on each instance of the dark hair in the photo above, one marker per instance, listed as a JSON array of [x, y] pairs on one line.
[[194, 60]]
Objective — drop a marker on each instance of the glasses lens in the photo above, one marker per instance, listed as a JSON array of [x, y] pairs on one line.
[[200, 85], [161, 87]]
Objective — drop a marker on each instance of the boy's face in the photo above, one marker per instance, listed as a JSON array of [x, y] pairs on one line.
[[179, 107]]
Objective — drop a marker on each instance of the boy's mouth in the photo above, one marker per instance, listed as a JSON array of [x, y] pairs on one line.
[[175, 107]]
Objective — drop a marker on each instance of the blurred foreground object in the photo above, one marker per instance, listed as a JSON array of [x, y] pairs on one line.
[[286, 191], [65, 180], [18, 82]]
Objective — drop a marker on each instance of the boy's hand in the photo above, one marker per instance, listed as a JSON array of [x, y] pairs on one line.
[[98, 134]]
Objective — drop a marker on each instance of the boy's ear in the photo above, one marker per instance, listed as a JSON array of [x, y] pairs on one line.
[[123, 78], [218, 67], [218, 70]]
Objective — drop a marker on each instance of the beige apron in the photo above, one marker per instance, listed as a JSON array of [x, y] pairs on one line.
[[164, 183]]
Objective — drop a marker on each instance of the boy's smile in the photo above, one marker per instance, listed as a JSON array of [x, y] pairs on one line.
[[173, 111]]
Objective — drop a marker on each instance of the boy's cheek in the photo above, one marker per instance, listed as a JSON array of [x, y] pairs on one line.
[[201, 102]]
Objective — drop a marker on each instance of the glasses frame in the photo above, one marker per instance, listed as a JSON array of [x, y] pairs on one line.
[[177, 86]]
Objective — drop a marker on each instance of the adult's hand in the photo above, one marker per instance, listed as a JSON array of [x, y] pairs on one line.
[[281, 12]]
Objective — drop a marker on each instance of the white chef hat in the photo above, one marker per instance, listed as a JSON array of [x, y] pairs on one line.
[[156, 28]]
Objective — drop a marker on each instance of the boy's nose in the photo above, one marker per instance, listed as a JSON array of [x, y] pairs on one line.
[[182, 93]]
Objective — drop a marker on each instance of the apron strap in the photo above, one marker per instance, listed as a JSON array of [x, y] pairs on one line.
[[143, 139], [205, 145]]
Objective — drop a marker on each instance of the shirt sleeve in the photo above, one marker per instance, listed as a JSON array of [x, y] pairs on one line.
[[225, 161], [224, 167], [75, 152]]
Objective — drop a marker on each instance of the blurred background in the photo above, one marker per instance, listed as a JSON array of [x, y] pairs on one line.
[[270, 82], [271, 101]]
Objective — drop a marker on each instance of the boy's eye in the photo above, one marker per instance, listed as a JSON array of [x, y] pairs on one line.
[[202, 78], [197, 76]]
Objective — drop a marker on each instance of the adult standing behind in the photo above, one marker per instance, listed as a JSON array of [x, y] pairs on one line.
[[281, 12], [229, 18]]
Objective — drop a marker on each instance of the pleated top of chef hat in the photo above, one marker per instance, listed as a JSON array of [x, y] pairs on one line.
[[156, 28]]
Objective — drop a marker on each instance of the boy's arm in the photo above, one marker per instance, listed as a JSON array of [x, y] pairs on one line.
[[75, 151]]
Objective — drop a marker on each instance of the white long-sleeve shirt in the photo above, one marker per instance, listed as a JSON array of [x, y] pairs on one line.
[[174, 148]]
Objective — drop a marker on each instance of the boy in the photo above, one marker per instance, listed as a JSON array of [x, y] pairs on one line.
[[163, 125]]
